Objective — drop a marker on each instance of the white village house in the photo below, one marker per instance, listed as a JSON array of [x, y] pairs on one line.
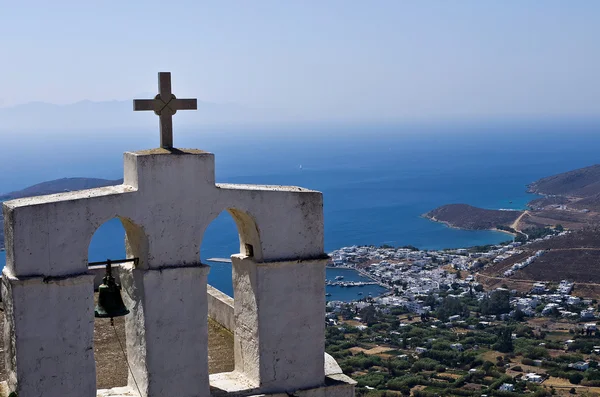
[[533, 377], [507, 387], [167, 200]]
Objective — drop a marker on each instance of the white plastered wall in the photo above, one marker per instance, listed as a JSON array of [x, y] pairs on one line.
[[279, 311], [165, 203]]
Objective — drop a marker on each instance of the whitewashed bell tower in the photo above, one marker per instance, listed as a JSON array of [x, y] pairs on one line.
[[167, 199]]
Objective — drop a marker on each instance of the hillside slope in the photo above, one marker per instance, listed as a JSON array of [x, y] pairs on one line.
[[51, 187], [574, 257], [582, 182], [466, 216]]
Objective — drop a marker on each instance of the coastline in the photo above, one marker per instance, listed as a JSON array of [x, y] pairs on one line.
[[548, 199], [505, 231], [449, 225]]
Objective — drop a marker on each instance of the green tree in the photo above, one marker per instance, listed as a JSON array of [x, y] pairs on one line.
[[498, 302], [519, 315], [369, 315], [487, 365], [504, 343], [575, 378], [521, 238]]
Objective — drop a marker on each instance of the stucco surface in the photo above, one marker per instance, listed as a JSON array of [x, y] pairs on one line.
[[167, 330], [167, 200], [279, 327], [221, 308], [333, 386], [48, 336], [165, 203]]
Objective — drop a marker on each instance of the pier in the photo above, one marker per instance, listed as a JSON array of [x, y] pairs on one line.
[[350, 283]]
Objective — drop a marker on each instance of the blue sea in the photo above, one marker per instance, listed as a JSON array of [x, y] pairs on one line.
[[377, 180]]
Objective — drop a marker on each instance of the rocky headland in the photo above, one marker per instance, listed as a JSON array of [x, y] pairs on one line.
[[466, 216], [570, 199]]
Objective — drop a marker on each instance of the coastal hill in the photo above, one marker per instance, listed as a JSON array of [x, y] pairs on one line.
[[582, 182], [466, 216], [570, 257], [570, 199], [51, 187]]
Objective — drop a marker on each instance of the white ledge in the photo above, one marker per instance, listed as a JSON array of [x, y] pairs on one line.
[[273, 188], [70, 196]]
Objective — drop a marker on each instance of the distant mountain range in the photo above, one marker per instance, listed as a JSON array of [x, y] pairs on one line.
[[120, 114]]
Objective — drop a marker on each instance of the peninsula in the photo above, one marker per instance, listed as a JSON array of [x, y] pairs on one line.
[[570, 199], [466, 216]]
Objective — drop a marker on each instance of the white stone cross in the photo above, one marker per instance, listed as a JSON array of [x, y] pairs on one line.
[[165, 105]]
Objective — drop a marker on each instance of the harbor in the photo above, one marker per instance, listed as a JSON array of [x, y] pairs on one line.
[[342, 283], [347, 284], [350, 283], [220, 277]]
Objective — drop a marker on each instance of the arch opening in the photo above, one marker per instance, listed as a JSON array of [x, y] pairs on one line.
[[219, 242], [233, 231], [117, 238], [248, 233]]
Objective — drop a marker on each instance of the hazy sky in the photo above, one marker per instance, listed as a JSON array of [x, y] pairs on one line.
[[316, 59]]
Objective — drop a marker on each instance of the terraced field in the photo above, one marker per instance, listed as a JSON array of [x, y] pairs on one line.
[[574, 257]]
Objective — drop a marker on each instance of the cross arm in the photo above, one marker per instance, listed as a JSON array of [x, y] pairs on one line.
[[184, 104], [144, 104]]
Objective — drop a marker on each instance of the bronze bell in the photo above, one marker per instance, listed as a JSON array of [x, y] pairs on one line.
[[110, 303]]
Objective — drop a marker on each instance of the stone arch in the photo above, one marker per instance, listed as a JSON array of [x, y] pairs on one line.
[[110, 369], [248, 233], [136, 240]]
